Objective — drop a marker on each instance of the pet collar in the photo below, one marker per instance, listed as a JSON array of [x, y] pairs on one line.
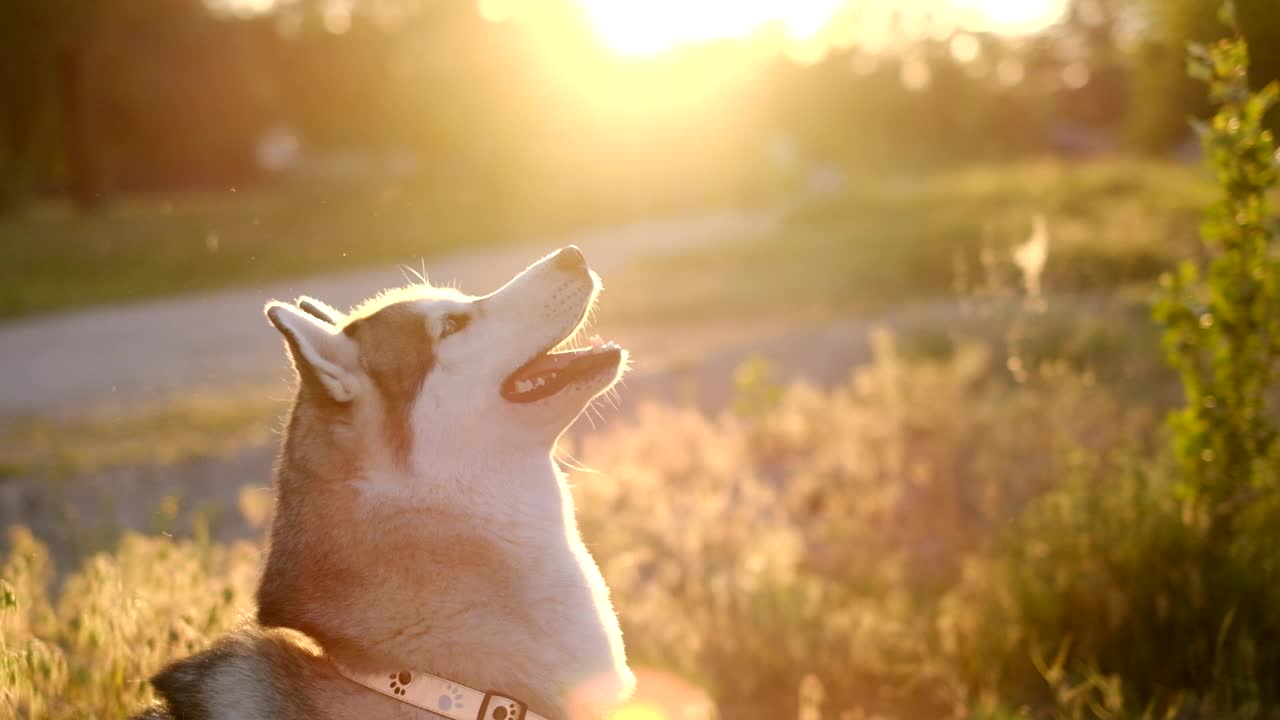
[[442, 697]]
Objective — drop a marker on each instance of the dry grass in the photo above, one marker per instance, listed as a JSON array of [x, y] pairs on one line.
[[959, 530], [810, 539], [157, 432]]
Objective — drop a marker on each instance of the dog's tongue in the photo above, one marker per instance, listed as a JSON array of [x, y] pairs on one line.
[[555, 362], [547, 363]]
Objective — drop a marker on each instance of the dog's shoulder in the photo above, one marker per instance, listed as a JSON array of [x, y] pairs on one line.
[[252, 673]]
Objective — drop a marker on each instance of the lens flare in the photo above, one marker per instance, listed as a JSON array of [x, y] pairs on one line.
[[638, 711], [659, 695]]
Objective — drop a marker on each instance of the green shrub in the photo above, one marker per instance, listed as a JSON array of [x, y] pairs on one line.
[[1153, 584], [1108, 570]]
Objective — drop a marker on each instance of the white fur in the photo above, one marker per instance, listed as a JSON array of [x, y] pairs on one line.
[[479, 455], [331, 354]]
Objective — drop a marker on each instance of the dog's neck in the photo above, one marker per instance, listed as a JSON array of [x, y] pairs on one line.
[[490, 587]]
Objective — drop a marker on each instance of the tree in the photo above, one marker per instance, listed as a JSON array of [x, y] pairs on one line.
[[1163, 95]]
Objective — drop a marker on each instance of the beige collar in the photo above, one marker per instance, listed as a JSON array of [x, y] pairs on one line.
[[440, 696]]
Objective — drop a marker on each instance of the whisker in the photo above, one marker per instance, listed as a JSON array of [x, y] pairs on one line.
[[577, 464], [421, 279]]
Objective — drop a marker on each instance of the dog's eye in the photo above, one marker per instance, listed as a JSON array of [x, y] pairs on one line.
[[454, 322]]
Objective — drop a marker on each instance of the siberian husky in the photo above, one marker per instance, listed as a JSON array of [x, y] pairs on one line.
[[424, 557]]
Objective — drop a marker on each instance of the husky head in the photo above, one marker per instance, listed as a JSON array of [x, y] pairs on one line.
[[421, 373], [418, 509]]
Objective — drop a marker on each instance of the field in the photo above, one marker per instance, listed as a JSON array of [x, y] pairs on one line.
[[53, 258], [892, 240], [942, 243], [962, 527]]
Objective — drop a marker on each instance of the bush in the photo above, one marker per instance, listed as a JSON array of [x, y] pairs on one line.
[[801, 543], [814, 539], [1104, 577], [115, 622], [1158, 581]]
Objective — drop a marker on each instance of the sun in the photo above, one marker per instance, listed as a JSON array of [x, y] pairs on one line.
[[1015, 17], [641, 28], [650, 27]]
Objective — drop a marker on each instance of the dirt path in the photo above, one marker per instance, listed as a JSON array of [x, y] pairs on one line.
[[121, 354]]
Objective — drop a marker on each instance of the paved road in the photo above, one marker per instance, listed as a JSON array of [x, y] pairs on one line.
[[57, 364]]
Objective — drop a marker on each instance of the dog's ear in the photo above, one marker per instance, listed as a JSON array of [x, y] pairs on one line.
[[321, 310], [321, 352]]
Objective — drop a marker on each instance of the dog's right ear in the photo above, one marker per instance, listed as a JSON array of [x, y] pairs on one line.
[[321, 352], [321, 310]]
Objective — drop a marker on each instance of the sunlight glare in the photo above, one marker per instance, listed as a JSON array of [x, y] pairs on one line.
[[643, 29], [1015, 17], [638, 711], [648, 28], [242, 8], [659, 695]]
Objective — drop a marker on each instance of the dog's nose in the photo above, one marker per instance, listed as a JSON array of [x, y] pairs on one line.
[[570, 258]]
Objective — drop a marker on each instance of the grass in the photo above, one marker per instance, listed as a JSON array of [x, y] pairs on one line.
[[882, 242], [161, 432], [964, 529], [917, 542], [52, 258], [1112, 225]]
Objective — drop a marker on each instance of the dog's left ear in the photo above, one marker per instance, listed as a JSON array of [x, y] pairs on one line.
[[321, 352], [321, 310]]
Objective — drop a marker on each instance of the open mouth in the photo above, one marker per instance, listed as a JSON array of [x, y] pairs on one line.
[[550, 372]]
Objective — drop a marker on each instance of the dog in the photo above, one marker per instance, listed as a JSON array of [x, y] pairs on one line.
[[424, 558]]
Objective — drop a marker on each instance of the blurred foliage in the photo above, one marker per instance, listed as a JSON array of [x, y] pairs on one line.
[[89, 651], [162, 432], [878, 239], [890, 239], [1221, 331], [1164, 97], [114, 96], [816, 536], [107, 97], [929, 539], [167, 244], [823, 537]]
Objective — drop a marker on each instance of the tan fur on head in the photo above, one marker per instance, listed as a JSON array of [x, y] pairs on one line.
[[421, 522]]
